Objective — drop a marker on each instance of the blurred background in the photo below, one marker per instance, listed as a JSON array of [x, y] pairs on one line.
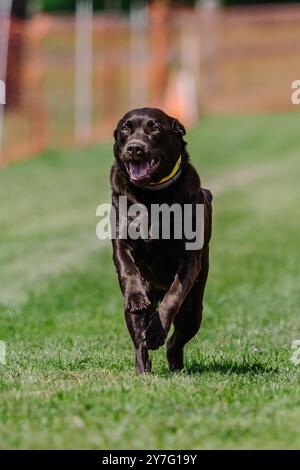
[[72, 68]]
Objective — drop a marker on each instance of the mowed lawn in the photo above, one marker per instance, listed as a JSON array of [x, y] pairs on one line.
[[69, 380]]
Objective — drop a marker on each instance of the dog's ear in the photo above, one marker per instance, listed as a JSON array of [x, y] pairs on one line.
[[115, 136], [117, 129], [178, 127], [116, 144], [116, 132]]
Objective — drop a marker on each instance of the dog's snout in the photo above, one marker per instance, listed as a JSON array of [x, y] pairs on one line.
[[135, 149]]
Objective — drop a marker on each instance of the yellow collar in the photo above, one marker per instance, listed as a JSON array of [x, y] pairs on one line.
[[167, 180], [171, 175]]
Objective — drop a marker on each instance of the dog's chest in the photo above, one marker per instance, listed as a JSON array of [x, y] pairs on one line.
[[158, 260]]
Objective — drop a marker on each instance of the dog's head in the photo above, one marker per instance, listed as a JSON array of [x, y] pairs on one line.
[[148, 143]]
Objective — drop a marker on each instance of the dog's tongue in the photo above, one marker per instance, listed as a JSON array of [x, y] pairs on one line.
[[138, 169]]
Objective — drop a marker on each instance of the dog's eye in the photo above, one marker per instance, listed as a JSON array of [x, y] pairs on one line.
[[125, 130], [156, 130]]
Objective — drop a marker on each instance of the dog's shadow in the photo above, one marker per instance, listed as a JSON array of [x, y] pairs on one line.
[[224, 366]]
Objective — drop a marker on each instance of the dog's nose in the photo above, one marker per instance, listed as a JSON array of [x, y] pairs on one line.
[[135, 150]]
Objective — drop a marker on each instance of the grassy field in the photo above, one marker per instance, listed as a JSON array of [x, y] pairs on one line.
[[69, 380]]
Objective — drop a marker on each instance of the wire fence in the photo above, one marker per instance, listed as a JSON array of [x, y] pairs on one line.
[[188, 62]]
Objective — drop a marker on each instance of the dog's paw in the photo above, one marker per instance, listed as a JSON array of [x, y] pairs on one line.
[[137, 302], [155, 334]]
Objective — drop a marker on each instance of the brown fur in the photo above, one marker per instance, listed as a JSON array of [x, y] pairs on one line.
[[161, 282]]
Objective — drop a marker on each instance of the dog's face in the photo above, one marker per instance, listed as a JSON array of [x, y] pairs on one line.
[[148, 143]]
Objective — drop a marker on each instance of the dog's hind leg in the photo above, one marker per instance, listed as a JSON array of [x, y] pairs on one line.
[[188, 320], [186, 324]]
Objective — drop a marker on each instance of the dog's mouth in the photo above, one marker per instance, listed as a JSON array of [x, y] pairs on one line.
[[142, 171]]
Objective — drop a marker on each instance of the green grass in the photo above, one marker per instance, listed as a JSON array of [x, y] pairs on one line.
[[69, 380]]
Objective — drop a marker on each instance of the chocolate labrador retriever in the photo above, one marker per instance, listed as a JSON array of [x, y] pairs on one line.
[[161, 280]]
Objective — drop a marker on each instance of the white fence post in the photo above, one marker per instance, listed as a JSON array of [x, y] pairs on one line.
[[5, 14], [83, 69], [138, 95]]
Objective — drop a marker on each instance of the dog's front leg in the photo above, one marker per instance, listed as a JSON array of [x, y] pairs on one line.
[[158, 329], [132, 284], [137, 305], [136, 326]]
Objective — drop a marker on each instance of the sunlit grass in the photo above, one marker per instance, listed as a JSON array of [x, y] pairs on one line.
[[69, 380]]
